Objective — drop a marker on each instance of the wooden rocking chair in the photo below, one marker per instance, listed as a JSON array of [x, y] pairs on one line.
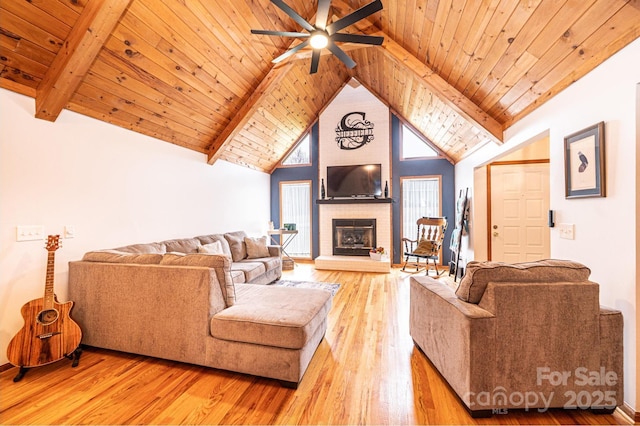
[[427, 245]]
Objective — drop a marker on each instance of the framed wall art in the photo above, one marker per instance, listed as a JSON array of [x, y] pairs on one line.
[[584, 163]]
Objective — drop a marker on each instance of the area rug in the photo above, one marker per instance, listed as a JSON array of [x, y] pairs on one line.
[[331, 287]]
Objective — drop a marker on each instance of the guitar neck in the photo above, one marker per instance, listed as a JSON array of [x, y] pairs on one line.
[[48, 287]]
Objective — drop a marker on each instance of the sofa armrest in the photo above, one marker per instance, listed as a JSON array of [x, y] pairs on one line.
[[275, 251], [452, 332], [156, 310], [611, 351]]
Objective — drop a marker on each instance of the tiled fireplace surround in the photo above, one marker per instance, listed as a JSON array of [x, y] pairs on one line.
[[328, 212]]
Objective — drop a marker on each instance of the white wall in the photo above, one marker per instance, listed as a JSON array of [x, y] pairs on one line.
[[116, 187], [352, 99], [605, 228]]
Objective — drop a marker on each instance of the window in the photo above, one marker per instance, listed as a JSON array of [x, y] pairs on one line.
[[420, 198], [300, 154], [295, 207], [413, 146]]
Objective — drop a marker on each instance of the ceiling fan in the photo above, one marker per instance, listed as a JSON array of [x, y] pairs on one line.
[[322, 35]]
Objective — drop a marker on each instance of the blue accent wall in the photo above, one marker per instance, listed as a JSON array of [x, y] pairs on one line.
[[419, 167], [284, 174], [426, 167]]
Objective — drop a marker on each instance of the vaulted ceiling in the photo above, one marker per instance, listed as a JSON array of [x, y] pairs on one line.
[[190, 72]]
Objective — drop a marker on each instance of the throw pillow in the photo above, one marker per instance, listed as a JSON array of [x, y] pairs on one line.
[[212, 238], [479, 274], [237, 245], [182, 245], [256, 247], [211, 248], [220, 264]]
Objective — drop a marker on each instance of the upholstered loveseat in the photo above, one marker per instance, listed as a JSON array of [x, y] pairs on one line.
[[171, 300], [521, 336]]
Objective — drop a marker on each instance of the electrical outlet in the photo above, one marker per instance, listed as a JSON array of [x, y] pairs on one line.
[[566, 231], [29, 232]]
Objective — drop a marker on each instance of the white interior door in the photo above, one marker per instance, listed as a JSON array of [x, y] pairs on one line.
[[519, 212]]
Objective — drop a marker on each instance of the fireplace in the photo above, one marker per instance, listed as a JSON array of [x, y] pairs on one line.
[[353, 237]]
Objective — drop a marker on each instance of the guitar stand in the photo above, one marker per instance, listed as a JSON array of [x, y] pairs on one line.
[[74, 356]]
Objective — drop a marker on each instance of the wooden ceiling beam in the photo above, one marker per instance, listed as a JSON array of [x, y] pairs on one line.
[[240, 119], [95, 24], [446, 92]]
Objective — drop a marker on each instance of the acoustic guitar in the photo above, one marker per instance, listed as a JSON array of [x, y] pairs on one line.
[[49, 334]]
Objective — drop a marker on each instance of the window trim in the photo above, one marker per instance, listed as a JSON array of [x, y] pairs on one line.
[[402, 179], [293, 148], [293, 182], [439, 153]]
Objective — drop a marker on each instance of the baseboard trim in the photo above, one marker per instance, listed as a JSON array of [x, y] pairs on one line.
[[5, 367], [626, 410]]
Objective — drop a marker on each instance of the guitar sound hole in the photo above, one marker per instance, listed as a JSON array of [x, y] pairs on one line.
[[47, 316]]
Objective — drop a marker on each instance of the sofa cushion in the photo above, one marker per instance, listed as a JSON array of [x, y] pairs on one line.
[[211, 248], [144, 248], [237, 245], [256, 247], [237, 277], [479, 274], [183, 245], [251, 269], [116, 256], [221, 264], [272, 316], [268, 262], [208, 239]]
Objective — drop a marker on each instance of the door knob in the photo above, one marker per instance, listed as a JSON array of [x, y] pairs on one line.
[[495, 234]]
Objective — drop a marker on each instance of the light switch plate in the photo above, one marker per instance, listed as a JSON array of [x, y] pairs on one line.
[[69, 231], [29, 232]]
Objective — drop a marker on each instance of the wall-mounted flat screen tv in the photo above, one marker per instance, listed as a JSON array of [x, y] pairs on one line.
[[354, 181]]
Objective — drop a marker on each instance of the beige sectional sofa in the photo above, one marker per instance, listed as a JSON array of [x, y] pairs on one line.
[[171, 300], [252, 267], [521, 336]]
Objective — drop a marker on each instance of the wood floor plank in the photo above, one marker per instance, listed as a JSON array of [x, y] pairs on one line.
[[365, 371]]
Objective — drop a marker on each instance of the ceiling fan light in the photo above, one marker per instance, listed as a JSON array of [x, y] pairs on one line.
[[319, 40]]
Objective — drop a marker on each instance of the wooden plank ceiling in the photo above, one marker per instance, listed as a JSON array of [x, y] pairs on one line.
[[189, 72]]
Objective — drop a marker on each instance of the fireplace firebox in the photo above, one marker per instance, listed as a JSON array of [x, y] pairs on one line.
[[353, 237]]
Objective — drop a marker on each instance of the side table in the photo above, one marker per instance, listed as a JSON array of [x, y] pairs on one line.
[[284, 239]]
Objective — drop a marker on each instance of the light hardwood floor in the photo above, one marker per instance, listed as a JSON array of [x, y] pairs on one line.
[[366, 371]]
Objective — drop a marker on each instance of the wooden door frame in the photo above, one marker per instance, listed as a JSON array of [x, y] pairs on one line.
[[502, 163]]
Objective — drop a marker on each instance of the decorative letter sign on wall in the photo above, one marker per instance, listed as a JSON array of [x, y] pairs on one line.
[[354, 131]]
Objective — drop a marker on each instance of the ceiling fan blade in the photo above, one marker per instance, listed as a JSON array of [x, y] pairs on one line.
[[280, 33], [354, 17], [358, 38], [290, 52], [323, 13], [350, 63], [294, 15], [315, 59]]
